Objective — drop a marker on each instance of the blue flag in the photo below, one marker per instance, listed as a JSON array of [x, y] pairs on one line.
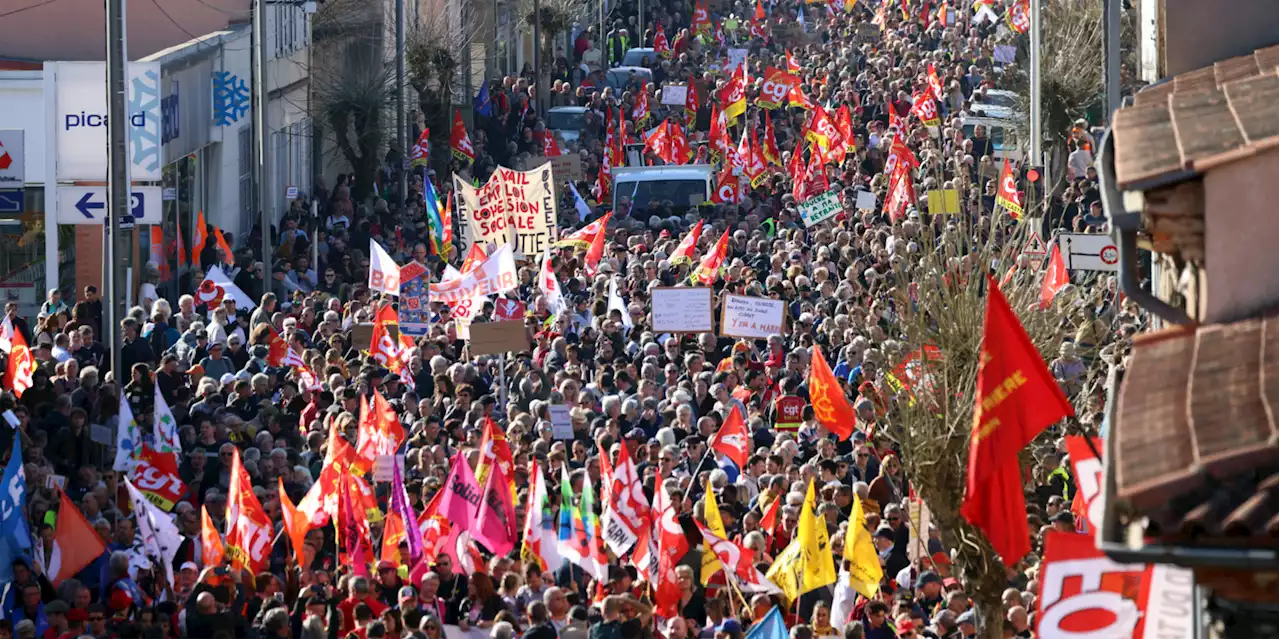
[[13, 500], [771, 626], [483, 105]]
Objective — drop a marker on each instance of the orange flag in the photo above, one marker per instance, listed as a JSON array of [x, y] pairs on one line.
[[211, 549], [379, 431], [1055, 279], [75, 543], [392, 535], [830, 405], [228, 256], [295, 525], [1015, 400], [199, 236]]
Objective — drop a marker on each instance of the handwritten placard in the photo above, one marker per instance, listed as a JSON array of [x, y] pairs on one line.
[[751, 317], [820, 208], [675, 95], [682, 309], [561, 421]]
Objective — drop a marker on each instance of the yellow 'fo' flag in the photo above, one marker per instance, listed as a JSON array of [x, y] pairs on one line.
[[711, 512], [785, 571], [864, 562], [819, 564], [807, 562]]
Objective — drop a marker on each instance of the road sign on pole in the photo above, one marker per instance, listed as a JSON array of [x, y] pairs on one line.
[[88, 205], [1089, 252]]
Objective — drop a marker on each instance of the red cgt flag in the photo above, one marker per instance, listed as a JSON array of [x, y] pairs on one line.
[[733, 440], [1055, 279], [248, 527], [830, 405], [459, 141], [1015, 400]]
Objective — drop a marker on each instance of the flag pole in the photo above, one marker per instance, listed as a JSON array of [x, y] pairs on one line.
[[693, 474]]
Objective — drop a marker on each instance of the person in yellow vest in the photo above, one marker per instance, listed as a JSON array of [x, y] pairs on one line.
[[788, 410]]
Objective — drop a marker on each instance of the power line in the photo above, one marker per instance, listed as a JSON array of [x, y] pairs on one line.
[[33, 6]]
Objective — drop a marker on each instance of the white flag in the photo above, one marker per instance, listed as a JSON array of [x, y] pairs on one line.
[[616, 304], [6, 334], [128, 436], [549, 285], [160, 537], [580, 204], [216, 285], [165, 433], [384, 273]]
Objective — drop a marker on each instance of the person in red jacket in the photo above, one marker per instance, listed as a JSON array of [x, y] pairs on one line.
[[360, 593]]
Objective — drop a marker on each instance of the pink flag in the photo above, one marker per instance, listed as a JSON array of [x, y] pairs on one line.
[[496, 525], [462, 494], [459, 504]]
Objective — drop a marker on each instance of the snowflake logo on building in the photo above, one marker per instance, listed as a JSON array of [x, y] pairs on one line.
[[230, 98]]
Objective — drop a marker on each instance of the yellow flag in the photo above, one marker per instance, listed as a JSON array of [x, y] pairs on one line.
[[711, 512], [864, 562], [819, 566], [785, 571]]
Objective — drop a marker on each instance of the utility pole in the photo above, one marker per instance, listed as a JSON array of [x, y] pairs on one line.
[[400, 125], [119, 223], [258, 51], [537, 56], [1111, 54], [1037, 135]]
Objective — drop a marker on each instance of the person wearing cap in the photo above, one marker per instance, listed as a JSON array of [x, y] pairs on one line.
[[55, 614], [967, 623], [389, 583], [216, 365], [929, 592]]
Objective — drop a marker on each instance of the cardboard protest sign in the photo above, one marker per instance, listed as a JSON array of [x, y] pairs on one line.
[[682, 309], [494, 338], [752, 317]]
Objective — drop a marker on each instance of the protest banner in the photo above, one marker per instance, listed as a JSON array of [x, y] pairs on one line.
[[682, 309], [944, 202], [866, 201], [752, 317], [513, 207], [497, 274], [415, 310], [495, 338], [675, 94], [1084, 593], [820, 208]]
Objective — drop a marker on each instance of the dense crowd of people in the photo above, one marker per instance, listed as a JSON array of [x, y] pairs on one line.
[[237, 411]]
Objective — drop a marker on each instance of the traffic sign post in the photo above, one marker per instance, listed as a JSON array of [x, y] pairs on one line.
[[1089, 252], [11, 201], [88, 205]]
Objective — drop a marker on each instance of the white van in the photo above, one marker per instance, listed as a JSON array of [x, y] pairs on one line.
[[684, 186], [1003, 134]]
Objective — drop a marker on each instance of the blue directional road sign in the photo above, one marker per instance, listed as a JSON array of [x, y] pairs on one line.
[[88, 204], [11, 201]]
